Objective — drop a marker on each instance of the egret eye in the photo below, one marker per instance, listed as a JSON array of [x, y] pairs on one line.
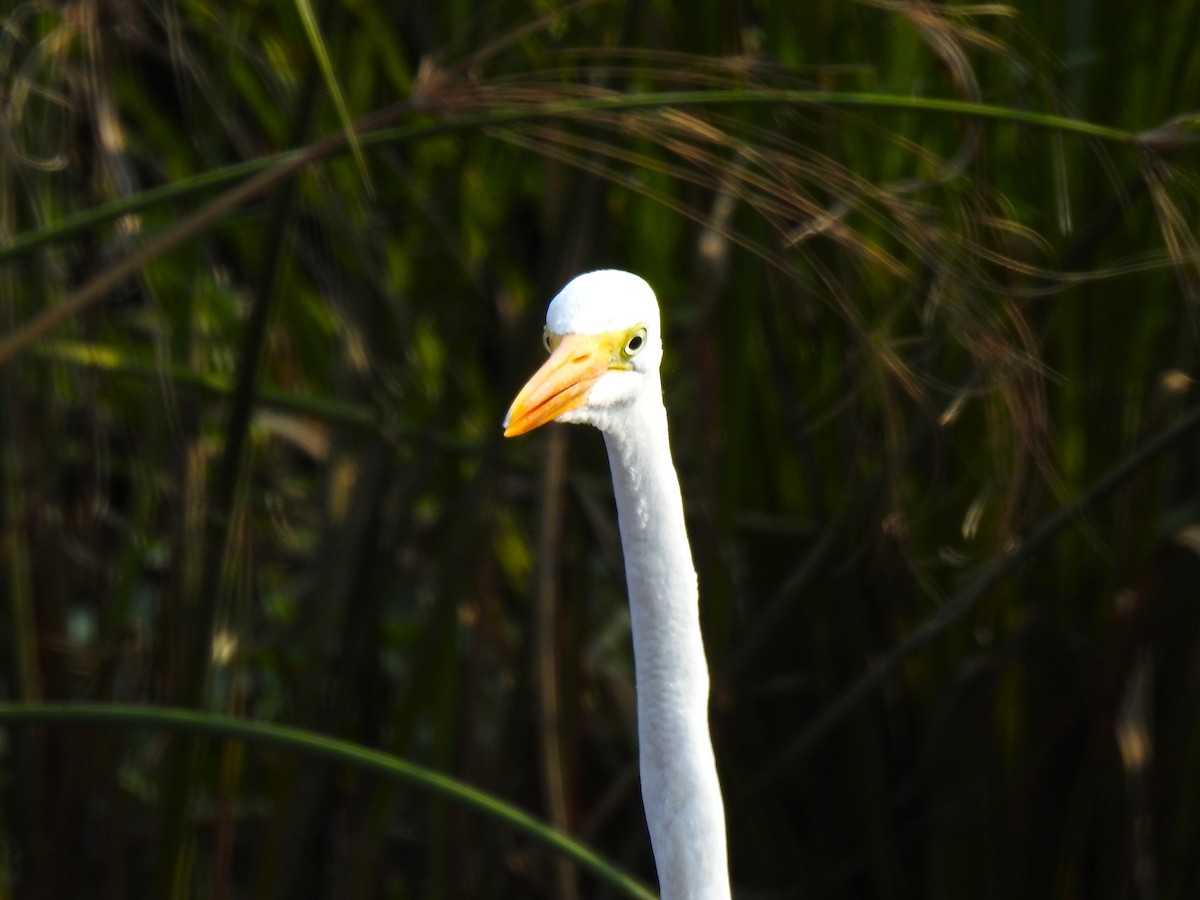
[[636, 342], [546, 339]]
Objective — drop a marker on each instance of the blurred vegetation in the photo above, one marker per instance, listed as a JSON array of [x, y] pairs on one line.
[[931, 279]]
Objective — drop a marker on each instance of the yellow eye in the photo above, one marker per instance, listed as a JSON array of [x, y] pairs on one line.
[[546, 339], [636, 342]]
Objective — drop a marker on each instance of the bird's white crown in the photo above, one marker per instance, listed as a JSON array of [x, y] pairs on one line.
[[603, 301]]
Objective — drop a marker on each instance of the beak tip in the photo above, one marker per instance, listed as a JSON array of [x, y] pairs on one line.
[[560, 385]]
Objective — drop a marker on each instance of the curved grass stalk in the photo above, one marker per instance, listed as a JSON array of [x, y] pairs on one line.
[[328, 749], [271, 170], [371, 135]]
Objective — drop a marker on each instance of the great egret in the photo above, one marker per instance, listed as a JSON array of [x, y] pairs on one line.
[[602, 331]]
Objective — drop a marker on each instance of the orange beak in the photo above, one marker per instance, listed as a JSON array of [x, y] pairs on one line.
[[563, 381]]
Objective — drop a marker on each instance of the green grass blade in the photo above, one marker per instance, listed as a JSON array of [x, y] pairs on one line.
[[315, 38], [328, 749], [186, 187]]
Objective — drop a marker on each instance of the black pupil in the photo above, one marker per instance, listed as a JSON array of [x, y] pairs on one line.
[[635, 343]]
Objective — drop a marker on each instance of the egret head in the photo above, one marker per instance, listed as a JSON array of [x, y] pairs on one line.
[[602, 332]]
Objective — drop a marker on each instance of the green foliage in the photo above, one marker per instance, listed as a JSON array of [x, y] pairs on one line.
[[931, 289]]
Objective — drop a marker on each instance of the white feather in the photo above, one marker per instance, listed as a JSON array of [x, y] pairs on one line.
[[603, 301]]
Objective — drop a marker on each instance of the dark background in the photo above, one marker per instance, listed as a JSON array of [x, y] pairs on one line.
[[252, 462]]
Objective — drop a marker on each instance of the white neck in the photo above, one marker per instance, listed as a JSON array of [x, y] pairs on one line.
[[679, 775]]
